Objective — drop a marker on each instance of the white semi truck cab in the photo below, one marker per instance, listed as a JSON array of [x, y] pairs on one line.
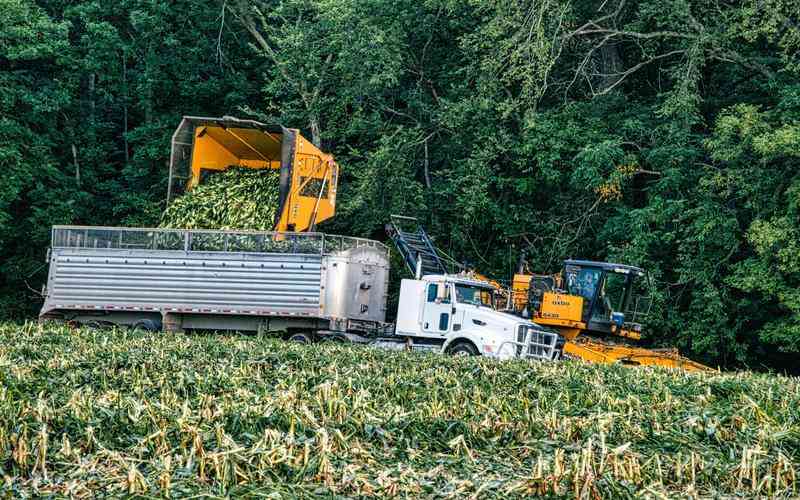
[[456, 314]]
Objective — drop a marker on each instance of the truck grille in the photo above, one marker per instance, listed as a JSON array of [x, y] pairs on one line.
[[521, 329], [537, 344]]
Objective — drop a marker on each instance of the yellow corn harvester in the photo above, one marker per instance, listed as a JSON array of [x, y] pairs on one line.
[[589, 300], [308, 177]]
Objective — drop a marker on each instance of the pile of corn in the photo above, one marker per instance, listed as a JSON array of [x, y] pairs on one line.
[[237, 198], [123, 412]]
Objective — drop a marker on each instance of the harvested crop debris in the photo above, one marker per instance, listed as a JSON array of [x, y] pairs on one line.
[[128, 412], [236, 198]]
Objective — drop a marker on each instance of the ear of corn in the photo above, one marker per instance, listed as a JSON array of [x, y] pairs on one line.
[[166, 415], [236, 198]]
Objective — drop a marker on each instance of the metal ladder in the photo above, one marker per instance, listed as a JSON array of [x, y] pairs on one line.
[[413, 243]]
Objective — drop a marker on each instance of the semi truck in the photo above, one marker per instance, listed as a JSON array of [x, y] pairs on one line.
[[305, 286]]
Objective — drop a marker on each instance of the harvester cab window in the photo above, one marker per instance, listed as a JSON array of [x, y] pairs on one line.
[[583, 282], [314, 188], [611, 295], [639, 300]]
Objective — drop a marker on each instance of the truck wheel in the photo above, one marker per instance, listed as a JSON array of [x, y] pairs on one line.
[[336, 339], [97, 325], [300, 338], [463, 349], [147, 325]]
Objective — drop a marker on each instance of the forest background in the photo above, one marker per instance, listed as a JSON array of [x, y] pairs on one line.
[[658, 133]]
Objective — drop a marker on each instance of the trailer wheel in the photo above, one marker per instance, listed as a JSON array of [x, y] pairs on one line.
[[336, 338], [147, 325], [97, 325], [300, 338], [463, 349]]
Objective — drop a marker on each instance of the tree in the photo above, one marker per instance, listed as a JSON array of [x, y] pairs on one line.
[[659, 134], [36, 191]]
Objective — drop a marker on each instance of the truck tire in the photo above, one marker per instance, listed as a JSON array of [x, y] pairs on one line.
[[97, 325], [335, 338], [147, 325], [300, 338], [462, 349]]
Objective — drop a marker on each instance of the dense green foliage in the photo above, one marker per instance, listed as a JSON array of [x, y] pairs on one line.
[[661, 133], [237, 198], [129, 412]]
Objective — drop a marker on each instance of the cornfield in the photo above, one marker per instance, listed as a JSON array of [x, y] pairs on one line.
[[237, 198], [125, 412]]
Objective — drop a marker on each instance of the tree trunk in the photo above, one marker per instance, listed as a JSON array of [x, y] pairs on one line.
[[92, 105], [427, 166], [77, 166], [125, 108], [610, 66], [315, 131]]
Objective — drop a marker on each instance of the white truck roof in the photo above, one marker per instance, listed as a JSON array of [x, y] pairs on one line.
[[457, 278]]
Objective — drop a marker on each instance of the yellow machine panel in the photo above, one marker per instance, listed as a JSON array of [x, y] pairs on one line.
[[560, 306], [519, 290], [312, 192], [599, 352], [308, 176], [217, 148], [559, 310]]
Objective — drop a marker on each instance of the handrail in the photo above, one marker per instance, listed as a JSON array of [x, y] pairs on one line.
[[63, 236]]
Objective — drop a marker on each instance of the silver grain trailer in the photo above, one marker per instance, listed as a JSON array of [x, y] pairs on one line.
[[221, 280]]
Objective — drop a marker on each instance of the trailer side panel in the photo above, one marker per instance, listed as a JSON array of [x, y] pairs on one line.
[[203, 282]]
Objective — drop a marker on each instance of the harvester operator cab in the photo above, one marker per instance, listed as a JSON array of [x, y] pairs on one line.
[[611, 293]]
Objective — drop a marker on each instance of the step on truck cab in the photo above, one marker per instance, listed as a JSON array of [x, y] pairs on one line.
[[456, 314]]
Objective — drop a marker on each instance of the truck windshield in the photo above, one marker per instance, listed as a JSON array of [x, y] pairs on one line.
[[479, 296]]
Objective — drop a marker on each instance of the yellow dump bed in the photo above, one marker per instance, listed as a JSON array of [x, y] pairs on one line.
[[201, 146]]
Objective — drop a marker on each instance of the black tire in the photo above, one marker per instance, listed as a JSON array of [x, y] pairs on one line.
[[147, 325], [300, 338], [97, 325], [337, 339], [462, 349]]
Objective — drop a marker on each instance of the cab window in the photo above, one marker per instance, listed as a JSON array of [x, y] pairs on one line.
[[433, 293], [474, 295], [583, 282]]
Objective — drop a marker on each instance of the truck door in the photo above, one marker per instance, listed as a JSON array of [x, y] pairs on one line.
[[436, 316]]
